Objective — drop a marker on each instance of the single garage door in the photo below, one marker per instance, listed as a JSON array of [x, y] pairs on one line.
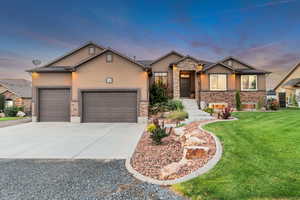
[[109, 106], [54, 105]]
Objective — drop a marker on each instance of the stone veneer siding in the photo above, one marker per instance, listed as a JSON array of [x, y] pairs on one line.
[[229, 97]]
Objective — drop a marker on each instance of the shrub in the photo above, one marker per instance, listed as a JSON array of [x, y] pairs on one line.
[[272, 104], [174, 105], [157, 131], [180, 125], [238, 101], [158, 94], [225, 113], [158, 107], [178, 115], [260, 103], [294, 101], [2, 102], [12, 111], [209, 110]]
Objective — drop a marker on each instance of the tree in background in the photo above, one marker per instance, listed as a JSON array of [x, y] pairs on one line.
[[238, 101], [2, 103]]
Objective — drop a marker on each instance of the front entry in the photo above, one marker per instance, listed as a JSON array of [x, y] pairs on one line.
[[185, 85]]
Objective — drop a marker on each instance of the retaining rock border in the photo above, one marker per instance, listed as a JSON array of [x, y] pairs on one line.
[[208, 166]]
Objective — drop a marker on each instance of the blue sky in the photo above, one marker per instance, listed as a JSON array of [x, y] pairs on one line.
[[264, 33]]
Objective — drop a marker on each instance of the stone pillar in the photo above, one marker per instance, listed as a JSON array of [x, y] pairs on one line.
[[176, 83], [143, 112], [75, 117], [196, 86]]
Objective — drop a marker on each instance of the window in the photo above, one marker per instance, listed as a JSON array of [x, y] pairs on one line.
[[109, 58], [161, 77], [230, 62], [9, 103], [249, 82], [91, 50], [218, 82]]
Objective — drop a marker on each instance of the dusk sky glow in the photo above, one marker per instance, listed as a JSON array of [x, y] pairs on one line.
[[265, 33]]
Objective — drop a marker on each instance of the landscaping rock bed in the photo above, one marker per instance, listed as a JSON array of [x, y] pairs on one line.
[[181, 153]]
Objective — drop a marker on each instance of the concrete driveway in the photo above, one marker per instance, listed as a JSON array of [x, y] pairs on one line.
[[70, 141]]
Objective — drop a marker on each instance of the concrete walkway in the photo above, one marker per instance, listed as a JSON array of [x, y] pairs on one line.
[[70, 141], [195, 114]]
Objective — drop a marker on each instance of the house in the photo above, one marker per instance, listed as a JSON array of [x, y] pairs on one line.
[[17, 92], [289, 86], [97, 84]]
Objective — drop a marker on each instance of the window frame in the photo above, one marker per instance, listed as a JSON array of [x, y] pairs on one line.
[[106, 58], [256, 83], [6, 103], [94, 51], [155, 74], [210, 82]]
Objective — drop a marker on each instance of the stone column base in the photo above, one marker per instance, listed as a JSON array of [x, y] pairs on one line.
[[142, 120], [34, 119], [75, 119]]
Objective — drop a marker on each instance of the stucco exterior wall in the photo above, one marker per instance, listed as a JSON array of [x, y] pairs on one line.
[[76, 57], [163, 65]]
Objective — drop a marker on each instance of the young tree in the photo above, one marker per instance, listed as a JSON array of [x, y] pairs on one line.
[[2, 102], [238, 101]]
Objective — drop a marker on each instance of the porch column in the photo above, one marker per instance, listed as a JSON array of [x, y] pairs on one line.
[[176, 81], [196, 86]]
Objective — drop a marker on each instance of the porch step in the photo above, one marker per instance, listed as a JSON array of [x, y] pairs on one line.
[[195, 114]]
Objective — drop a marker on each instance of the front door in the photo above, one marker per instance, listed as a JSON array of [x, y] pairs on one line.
[[282, 99], [185, 85]]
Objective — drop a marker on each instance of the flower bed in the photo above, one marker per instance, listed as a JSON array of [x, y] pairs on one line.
[[171, 159]]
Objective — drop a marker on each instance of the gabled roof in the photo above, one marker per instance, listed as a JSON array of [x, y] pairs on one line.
[[192, 58], [73, 51], [166, 55], [287, 75], [20, 87], [218, 63], [292, 82], [251, 71], [145, 62], [105, 51], [233, 58]]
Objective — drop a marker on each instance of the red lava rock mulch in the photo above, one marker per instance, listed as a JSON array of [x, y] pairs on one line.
[[148, 158]]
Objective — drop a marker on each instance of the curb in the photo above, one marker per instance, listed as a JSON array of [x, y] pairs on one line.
[[208, 166]]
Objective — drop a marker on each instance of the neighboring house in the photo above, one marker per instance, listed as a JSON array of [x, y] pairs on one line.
[[289, 86], [17, 92], [98, 84]]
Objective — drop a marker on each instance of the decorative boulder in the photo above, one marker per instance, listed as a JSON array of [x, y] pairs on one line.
[[195, 152], [179, 131], [2, 115], [20, 114], [173, 168], [194, 141]]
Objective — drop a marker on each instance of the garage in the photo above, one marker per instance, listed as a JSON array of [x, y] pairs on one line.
[[109, 106], [54, 104]]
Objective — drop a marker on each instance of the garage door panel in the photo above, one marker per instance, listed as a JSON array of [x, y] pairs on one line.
[[109, 107], [54, 105]]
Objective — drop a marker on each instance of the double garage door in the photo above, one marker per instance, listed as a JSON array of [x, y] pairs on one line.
[[97, 106]]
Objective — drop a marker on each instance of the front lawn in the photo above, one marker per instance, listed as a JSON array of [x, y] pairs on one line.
[[10, 118], [261, 159]]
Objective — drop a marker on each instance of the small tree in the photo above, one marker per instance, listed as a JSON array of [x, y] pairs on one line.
[[2, 103], [158, 94], [238, 101], [294, 101]]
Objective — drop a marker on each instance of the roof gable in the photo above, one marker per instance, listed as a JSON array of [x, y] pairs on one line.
[[288, 75], [238, 61], [20, 87], [72, 52], [114, 52], [217, 64], [166, 55]]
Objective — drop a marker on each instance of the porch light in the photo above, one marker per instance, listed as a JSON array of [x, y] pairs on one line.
[[34, 74], [174, 67], [199, 67]]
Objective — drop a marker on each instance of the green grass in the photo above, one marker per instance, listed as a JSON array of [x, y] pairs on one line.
[[10, 118], [261, 159]]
